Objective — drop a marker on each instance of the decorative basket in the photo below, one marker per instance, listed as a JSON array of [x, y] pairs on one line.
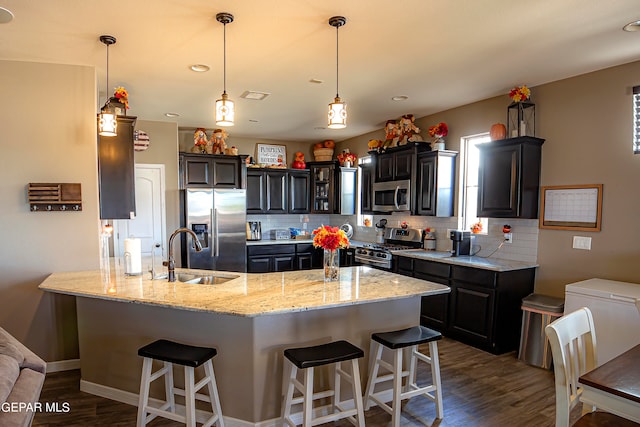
[[323, 154]]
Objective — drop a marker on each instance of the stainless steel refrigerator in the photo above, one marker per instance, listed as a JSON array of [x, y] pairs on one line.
[[218, 217]]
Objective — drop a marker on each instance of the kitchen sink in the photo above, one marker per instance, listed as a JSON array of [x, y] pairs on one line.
[[203, 279]]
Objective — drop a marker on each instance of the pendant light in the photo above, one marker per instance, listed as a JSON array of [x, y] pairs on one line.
[[107, 124], [337, 117], [225, 112]]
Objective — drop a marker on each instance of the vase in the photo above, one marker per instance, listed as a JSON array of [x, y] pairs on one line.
[[331, 263]]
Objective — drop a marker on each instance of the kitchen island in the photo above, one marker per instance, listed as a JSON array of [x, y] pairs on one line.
[[249, 318]]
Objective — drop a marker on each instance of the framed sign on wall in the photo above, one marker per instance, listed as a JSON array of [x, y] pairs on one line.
[[572, 207], [271, 154]]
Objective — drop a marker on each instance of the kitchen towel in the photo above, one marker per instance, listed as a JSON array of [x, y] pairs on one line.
[[132, 257]]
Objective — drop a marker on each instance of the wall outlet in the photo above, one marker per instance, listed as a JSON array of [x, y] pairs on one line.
[[508, 237], [580, 242]]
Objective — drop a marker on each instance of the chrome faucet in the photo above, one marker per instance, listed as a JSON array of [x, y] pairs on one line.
[[171, 263]]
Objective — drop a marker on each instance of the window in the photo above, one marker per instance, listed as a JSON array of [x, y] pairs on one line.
[[636, 120], [469, 180]]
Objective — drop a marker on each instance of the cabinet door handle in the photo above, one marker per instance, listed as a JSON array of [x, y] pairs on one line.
[[211, 230]]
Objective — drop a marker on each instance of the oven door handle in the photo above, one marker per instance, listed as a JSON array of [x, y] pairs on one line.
[[357, 258], [395, 197]]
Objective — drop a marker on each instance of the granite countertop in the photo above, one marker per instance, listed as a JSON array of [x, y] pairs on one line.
[[466, 261], [246, 294]]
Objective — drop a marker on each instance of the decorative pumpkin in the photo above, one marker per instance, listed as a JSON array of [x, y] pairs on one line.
[[298, 162], [329, 143], [498, 131]]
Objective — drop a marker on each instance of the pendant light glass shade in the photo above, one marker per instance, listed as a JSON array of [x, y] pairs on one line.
[[107, 123], [337, 116], [225, 112]]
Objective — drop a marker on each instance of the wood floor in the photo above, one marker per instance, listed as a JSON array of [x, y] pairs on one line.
[[480, 389]]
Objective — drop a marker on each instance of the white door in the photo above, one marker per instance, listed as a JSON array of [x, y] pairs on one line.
[[149, 225]]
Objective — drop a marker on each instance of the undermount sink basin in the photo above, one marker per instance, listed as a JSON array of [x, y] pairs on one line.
[[206, 279]]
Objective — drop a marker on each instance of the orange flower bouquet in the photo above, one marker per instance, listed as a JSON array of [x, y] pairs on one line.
[[330, 239], [520, 94], [122, 95]]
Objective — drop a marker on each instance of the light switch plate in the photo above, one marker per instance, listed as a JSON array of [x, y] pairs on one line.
[[580, 242]]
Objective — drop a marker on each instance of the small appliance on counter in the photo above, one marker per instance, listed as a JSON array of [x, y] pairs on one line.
[[380, 226], [254, 230], [280, 234], [461, 242]]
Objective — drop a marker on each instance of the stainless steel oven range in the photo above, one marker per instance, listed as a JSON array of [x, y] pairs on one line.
[[380, 255]]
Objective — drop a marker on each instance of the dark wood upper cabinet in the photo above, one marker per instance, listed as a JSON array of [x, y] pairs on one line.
[[509, 178], [299, 198], [277, 191], [116, 172], [366, 187], [210, 171], [436, 183]]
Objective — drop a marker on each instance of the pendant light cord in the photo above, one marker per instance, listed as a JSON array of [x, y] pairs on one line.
[[224, 56], [337, 60], [107, 88]]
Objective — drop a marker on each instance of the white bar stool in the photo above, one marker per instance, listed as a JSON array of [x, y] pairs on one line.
[[398, 341], [307, 358], [190, 357]]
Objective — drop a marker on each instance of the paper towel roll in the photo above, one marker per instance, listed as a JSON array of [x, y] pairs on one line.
[[132, 257]]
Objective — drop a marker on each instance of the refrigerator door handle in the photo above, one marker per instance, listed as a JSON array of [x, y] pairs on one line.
[[215, 229], [211, 229]]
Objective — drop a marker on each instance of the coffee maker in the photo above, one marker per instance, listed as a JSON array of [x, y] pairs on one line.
[[461, 242]]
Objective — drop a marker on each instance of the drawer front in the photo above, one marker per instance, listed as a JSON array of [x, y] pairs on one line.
[[476, 276], [271, 249], [304, 248], [432, 268], [405, 265]]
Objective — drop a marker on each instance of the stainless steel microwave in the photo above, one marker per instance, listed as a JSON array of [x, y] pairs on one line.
[[392, 196]]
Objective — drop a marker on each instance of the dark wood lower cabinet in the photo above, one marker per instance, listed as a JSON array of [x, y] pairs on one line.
[[483, 308], [282, 257]]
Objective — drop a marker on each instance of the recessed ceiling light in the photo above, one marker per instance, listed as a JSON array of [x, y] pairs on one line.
[[199, 68], [319, 128], [399, 98], [255, 95], [172, 114], [5, 15], [632, 26], [318, 81]]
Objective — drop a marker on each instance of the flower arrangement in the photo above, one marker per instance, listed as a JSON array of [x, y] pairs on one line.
[[439, 131], [520, 94], [476, 228], [122, 95], [346, 156], [330, 238]]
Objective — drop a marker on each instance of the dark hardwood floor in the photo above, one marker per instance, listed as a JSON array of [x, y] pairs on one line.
[[480, 389]]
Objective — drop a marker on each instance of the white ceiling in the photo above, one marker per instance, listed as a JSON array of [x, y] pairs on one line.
[[439, 53]]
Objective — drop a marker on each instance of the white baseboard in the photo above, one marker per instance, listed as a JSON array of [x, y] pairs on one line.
[[63, 365], [132, 399]]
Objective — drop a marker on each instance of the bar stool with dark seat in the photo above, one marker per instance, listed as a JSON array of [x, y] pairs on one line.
[[190, 357], [398, 341], [307, 358]]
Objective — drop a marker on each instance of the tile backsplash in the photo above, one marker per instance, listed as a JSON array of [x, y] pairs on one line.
[[524, 246]]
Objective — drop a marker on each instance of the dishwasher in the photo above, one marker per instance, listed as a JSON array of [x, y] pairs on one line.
[[615, 315]]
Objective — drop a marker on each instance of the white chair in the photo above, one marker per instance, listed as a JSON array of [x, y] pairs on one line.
[[573, 345]]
